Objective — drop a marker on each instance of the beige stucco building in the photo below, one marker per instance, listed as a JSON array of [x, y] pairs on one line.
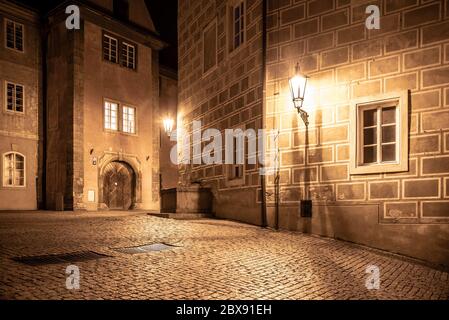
[[374, 157], [90, 102]]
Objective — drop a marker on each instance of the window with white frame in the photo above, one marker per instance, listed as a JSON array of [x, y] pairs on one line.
[[379, 135], [128, 57], [110, 116], [13, 170], [110, 48], [14, 97], [236, 24], [235, 169], [14, 35], [129, 120]]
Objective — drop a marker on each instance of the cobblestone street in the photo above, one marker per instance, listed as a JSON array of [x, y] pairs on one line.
[[213, 259]]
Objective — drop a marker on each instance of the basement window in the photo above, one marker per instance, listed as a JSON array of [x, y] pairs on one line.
[[14, 35], [379, 134]]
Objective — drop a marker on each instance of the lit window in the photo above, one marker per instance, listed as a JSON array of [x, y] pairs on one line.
[[110, 116], [236, 24], [129, 120], [14, 97], [379, 135], [210, 47], [110, 47], [13, 170], [14, 35], [128, 56]]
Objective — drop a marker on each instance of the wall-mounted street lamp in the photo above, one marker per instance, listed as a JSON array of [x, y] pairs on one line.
[[168, 126], [298, 86]]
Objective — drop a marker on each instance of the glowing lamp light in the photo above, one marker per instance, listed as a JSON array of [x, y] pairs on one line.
[[168, 126], [298, 86]]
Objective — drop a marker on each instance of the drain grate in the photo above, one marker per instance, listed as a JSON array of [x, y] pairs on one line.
[[71, 257], [146, 248]]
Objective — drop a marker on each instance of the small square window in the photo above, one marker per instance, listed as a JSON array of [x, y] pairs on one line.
[[14, 35], [379, 135], [14, 97]]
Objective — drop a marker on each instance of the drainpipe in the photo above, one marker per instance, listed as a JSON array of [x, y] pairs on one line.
[[44, 43], [264, 87]]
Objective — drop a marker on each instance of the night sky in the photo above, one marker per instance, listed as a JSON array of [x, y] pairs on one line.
[[164, 15]]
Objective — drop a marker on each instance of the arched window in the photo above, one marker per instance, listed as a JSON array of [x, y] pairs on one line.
[[13, 170]]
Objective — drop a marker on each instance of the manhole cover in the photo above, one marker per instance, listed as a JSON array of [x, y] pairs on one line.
[[146, 248], [60, 258]]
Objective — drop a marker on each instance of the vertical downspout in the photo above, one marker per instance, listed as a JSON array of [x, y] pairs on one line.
[[264, 87], [44, 35]]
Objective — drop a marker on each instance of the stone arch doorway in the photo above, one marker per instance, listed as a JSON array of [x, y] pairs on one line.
[[119, 185]]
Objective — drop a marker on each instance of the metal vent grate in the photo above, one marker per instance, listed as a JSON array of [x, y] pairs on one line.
[[60, 258], [146, 248]]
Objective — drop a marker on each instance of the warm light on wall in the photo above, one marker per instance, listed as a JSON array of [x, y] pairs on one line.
[[168, 126], [298, 86]]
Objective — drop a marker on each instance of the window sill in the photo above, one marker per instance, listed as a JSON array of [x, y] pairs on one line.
[[379, 168], [14, 188]]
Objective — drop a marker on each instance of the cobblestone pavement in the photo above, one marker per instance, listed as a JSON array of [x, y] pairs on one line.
[[214, 259]]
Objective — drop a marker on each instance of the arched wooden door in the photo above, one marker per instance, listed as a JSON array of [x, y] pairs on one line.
[[118, 186]]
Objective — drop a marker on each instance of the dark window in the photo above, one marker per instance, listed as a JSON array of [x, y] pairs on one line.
[[14, 35], [121, 9], [13, 170]]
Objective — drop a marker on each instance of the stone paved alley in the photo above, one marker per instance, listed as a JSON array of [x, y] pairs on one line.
[[213, 259]]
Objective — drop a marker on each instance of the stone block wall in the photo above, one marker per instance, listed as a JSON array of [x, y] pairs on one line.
[[346, 61], [404, 212], [227, 96]]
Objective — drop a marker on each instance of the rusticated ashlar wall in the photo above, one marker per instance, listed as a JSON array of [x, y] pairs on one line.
[[405, 212]]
